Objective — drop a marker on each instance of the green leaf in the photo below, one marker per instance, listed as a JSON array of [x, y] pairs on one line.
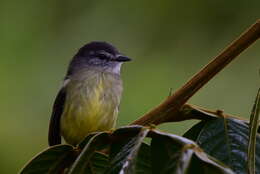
[[253, 134], [143, 159], [165, 153], [191, 112], [130, 131], [122, 136], [209, 164], [227, 140], [86, 140], [193, 133], [124, 158], [143, 164], [199, 166], [175, 154], [99, 163], [82, 163], [51, 161]]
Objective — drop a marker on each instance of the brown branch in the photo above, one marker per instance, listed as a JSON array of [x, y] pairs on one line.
[[169, 109]]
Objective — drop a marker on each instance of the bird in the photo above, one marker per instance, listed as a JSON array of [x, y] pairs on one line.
[[89, 98]]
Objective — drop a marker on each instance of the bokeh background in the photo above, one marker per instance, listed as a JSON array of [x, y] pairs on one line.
[[169, 41]]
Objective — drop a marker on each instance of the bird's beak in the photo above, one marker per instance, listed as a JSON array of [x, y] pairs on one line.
[[121, 58]]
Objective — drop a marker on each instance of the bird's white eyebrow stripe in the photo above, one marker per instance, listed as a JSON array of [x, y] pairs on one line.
[[105, 53]]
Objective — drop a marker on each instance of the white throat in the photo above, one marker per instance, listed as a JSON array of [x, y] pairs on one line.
[[117, 68]]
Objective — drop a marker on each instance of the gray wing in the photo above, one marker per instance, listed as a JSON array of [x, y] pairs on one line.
[[54, 126]]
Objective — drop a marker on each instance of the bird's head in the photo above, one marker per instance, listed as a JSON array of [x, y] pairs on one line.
[[100, 55]]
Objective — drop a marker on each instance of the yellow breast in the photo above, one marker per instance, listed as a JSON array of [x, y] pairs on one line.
[[91, 105]]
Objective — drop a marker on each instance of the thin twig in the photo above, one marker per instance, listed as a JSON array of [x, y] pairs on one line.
[[167, 110]]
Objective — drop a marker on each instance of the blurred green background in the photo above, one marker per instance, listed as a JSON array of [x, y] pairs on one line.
[[169, 41]]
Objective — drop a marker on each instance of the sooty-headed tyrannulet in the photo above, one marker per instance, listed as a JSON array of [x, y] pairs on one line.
[[89, 98]]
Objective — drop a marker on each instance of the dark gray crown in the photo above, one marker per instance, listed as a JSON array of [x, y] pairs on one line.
[[97, 46]]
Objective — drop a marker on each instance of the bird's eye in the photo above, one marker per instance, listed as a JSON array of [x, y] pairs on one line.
[[103, 55]]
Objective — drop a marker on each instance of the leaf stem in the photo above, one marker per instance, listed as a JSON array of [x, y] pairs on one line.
[[252, 134]]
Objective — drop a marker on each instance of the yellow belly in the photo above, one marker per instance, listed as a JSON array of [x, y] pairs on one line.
[[91, 106]]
